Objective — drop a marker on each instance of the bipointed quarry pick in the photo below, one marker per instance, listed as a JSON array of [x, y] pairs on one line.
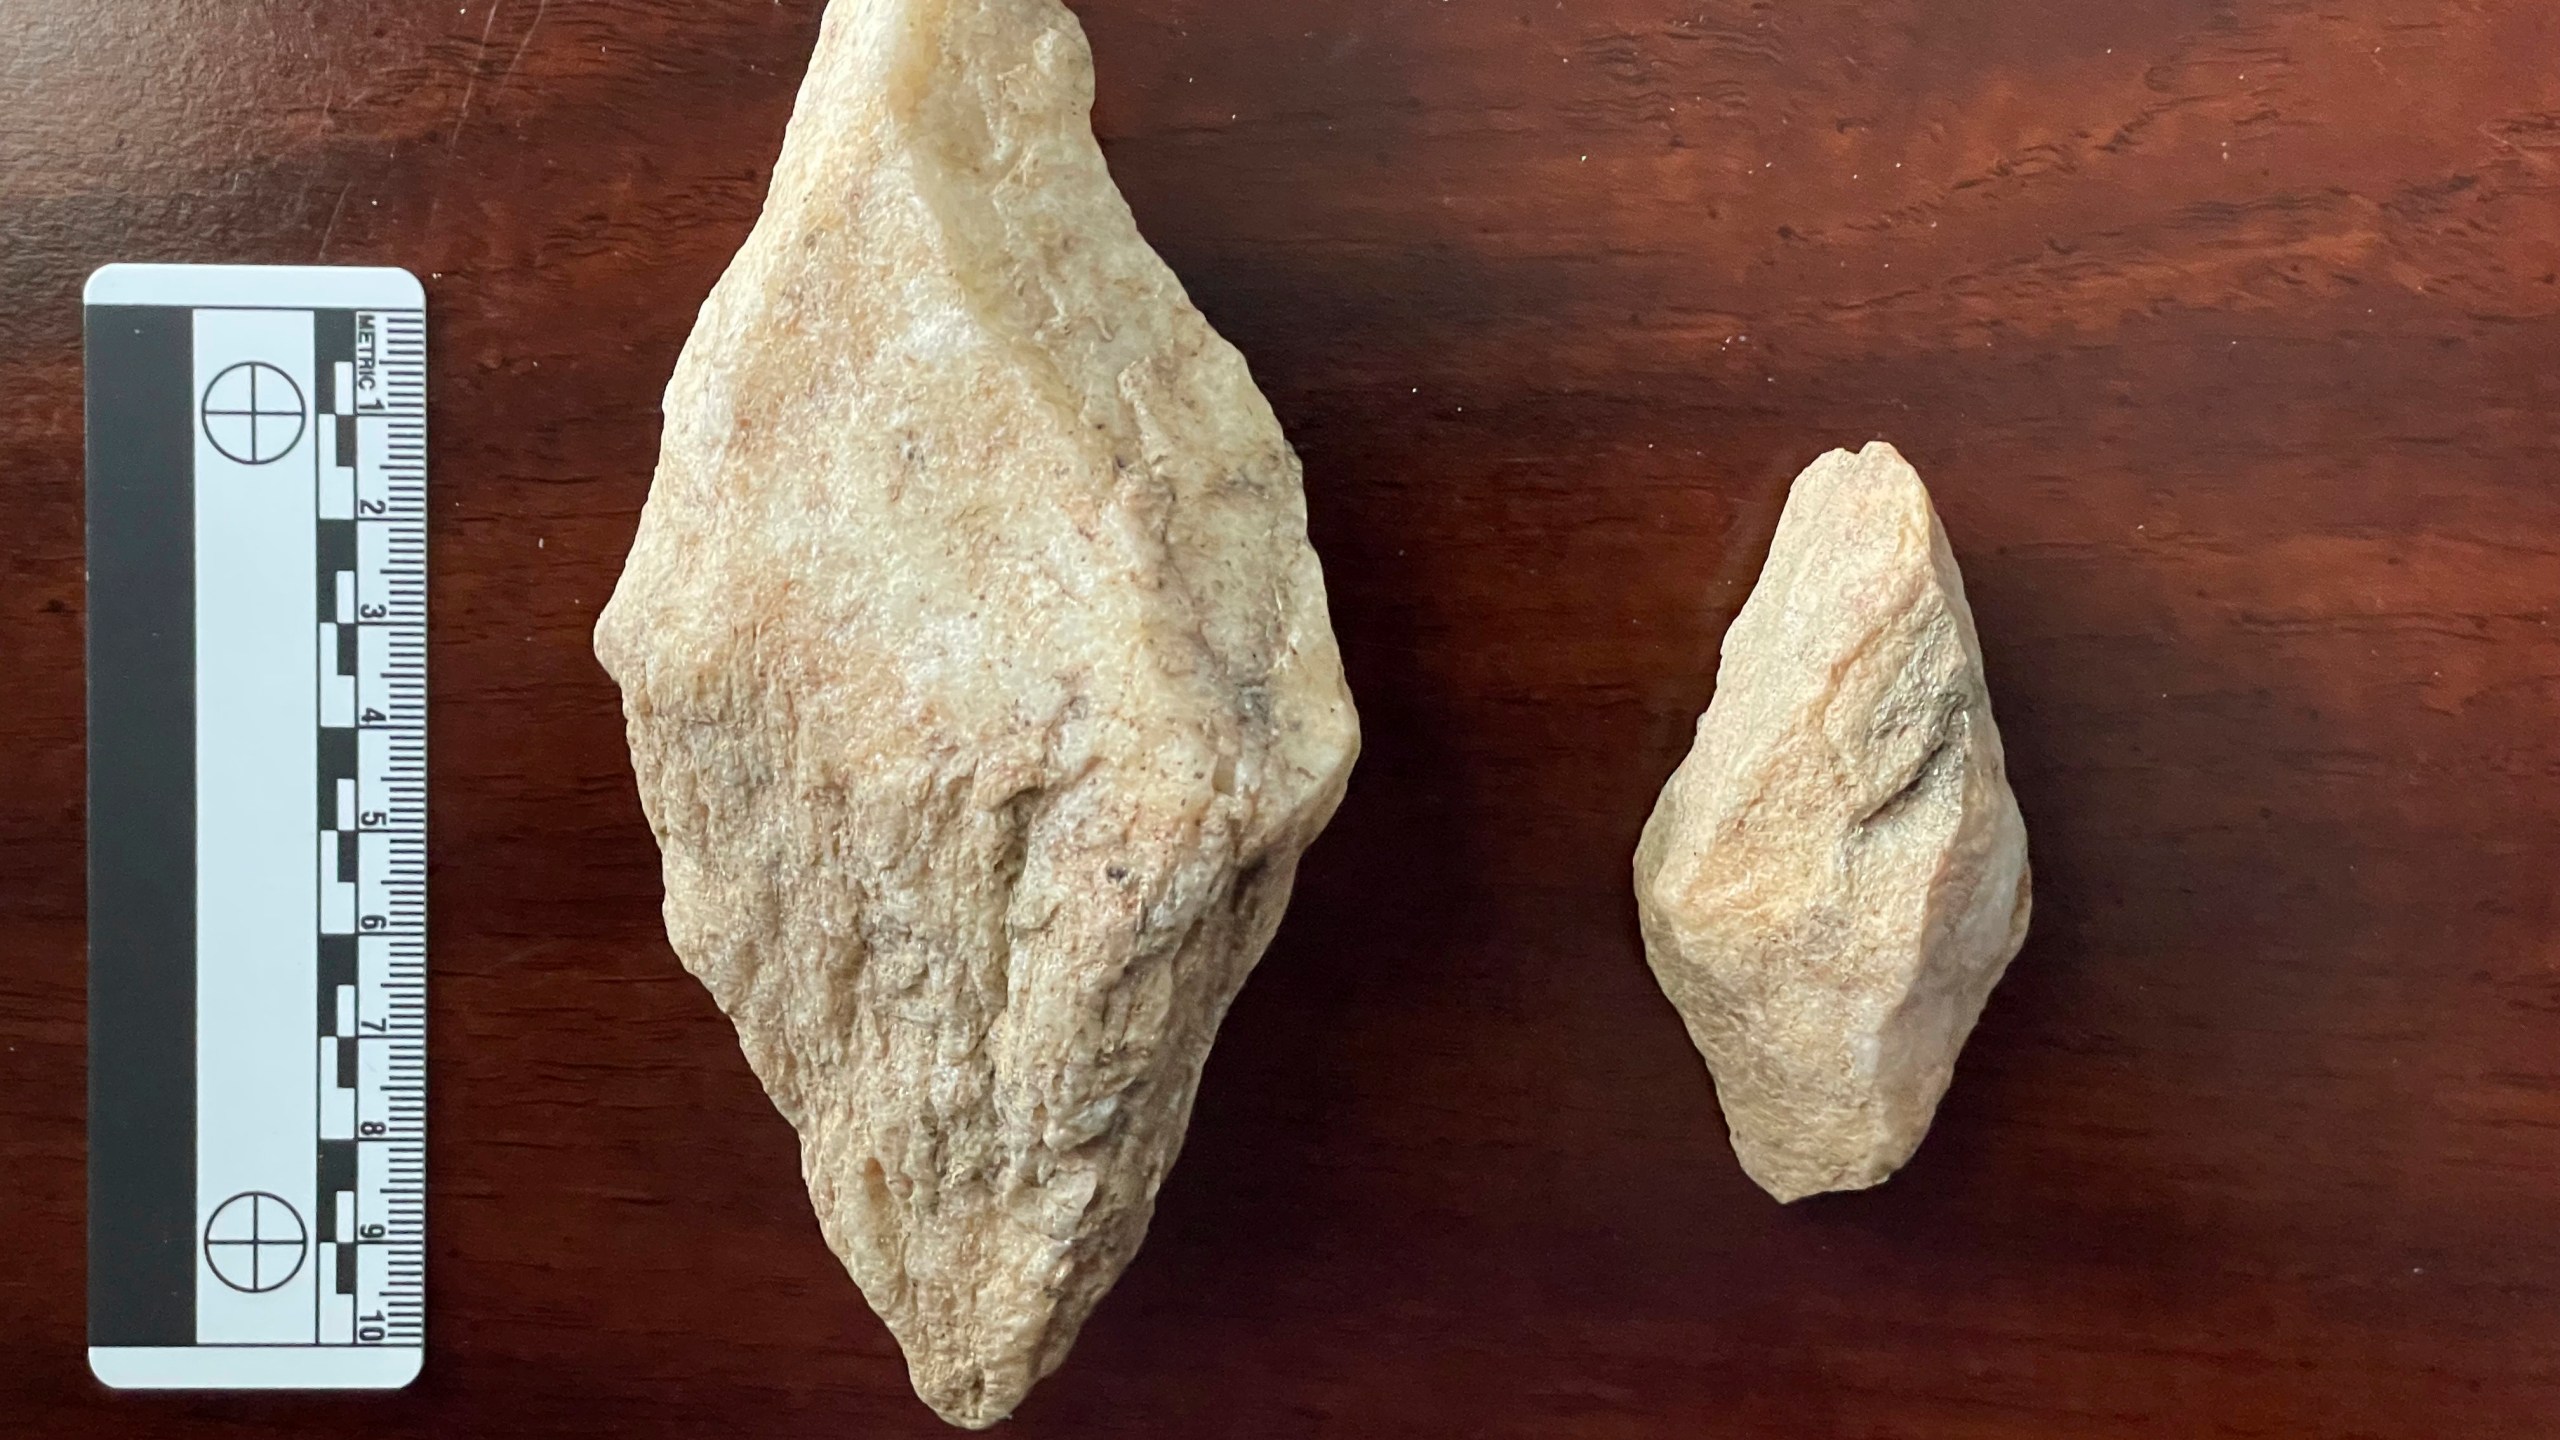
[[979, 681], [1836, 877]]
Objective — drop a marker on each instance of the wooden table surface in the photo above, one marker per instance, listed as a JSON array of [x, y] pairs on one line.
[[2226, 331]]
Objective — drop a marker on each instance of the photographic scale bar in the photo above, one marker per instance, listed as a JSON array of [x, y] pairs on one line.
[[257, 773]]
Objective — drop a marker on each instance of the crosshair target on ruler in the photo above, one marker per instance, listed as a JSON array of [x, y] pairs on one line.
[[253, 413], [255, 1242]]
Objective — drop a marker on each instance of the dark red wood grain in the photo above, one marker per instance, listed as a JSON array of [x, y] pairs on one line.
[[2227, 333]]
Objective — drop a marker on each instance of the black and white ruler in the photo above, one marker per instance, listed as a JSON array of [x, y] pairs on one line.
[[257, 826]]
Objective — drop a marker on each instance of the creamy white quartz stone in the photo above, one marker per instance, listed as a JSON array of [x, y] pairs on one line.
[[1836, 876], [979, 681]]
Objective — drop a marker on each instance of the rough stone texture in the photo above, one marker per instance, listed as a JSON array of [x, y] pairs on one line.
[[1836, 876], [978, 677]]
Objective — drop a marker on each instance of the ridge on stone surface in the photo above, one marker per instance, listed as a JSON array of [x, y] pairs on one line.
[[1836, 876], [978, 677]]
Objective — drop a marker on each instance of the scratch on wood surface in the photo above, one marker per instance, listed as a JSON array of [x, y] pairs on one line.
[[480, 52], [330, 230], [526, 43]]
